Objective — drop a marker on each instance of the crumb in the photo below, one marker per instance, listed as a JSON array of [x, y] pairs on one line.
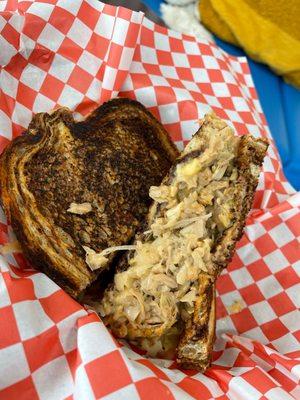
[[236, 307], [80, 208], [12, 247]]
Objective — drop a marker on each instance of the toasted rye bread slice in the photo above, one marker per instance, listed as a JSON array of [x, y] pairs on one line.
[[192, 227], [195, 347], [192, 349], [108, 161]]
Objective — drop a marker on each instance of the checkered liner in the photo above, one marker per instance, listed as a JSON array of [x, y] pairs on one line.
[[79, 54]]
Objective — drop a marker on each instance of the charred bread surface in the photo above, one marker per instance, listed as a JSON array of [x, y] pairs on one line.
[[67, 184]]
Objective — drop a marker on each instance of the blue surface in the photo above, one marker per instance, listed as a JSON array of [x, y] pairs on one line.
[[281, 105]]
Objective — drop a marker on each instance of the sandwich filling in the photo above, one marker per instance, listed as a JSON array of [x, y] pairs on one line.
[[192, 209]]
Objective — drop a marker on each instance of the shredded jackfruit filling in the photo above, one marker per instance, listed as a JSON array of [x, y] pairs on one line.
[[160, 286]]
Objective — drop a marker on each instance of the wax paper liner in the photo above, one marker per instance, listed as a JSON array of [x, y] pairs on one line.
[[79, 54]]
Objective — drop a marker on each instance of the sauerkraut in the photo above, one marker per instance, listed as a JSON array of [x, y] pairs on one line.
[[160, 286]]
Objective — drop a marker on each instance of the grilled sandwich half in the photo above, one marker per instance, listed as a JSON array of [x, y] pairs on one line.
[[71, 189], [164, 292]]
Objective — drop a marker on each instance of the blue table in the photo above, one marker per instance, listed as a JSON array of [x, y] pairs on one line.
[[281, 105]]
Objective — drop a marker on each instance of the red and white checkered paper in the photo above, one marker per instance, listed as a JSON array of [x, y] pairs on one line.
[[79, 54]]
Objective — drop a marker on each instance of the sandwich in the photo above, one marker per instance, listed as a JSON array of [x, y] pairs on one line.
[[163, 294], [71, 189]]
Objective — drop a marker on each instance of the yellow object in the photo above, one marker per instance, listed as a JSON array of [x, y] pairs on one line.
[[268, 30]]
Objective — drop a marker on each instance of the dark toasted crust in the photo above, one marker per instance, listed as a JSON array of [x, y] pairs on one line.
[[251, 153], [199, 334], [123, 108], [109, 160]]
